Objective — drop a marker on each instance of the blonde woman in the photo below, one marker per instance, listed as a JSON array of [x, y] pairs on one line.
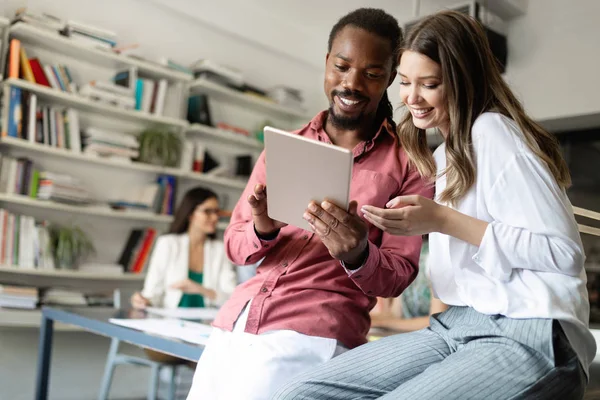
[[505, 252]]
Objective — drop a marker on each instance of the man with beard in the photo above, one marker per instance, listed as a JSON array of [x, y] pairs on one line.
[[311, 297]]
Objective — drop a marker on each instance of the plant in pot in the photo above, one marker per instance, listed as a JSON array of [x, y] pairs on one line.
[[159, 147], [69, 246]]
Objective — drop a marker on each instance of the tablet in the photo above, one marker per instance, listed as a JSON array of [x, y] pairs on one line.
[[300, 170]]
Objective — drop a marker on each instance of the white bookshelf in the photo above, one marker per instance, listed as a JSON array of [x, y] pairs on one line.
[[90, 210], [81, 103], [63, 45], [215, 180], [224, 136], [245, 100], [70, 279], [72, 157], [100, 64]]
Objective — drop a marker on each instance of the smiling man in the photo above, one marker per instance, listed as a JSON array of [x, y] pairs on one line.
[[311, 297]]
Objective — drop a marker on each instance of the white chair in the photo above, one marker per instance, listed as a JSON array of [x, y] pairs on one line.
[[114, 358]]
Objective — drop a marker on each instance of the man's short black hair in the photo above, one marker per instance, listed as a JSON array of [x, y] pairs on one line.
[[374, 21]]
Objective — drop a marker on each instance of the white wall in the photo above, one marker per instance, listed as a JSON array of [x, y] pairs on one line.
[[553, 58]]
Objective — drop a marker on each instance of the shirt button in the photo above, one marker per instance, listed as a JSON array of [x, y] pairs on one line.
[[284, 264], [255, 245], [370, 292], [304, 237], [266, 245], [264, 290], [358, 276]]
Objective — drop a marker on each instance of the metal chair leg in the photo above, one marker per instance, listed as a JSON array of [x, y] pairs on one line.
[[109, 369]]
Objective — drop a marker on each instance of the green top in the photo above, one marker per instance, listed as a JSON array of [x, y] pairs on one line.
[[193, 300]]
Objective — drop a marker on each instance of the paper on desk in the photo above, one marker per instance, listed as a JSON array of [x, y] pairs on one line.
[[192, 332], [198, 313]]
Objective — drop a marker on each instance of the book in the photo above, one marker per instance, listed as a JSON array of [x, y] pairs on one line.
[[127, 253], [15, 117], [25, 66], [13, 58], [38, 72]]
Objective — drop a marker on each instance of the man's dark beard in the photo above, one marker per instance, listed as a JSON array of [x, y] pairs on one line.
[[349, 123]]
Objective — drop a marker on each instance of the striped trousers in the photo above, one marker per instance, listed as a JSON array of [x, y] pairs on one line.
[[462, 355]]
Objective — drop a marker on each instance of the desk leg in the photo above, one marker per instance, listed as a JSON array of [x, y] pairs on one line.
[[44, 353]]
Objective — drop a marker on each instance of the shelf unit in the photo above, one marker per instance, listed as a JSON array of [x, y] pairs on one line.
[[245, 100], [84, 104], [52, 48], [18, 275], [71, 156], [225, 136], [91, 210], [63, 45]]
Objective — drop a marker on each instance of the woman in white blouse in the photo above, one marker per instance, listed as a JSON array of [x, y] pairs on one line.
[[188, 267], [505, 251]]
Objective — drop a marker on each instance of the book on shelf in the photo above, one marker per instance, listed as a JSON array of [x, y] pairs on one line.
[[64, 297], [136, 252], [25, 243], [23, 297], [43, 20], [118, 146], [42, 124], [56, 76], [158, 196]]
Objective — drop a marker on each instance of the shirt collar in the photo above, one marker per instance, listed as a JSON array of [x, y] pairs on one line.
[[318, 122]]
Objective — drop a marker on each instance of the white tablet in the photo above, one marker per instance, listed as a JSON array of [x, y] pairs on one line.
[[300, 170]]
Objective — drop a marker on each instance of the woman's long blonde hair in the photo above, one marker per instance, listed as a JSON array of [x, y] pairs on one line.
[[472, 86]]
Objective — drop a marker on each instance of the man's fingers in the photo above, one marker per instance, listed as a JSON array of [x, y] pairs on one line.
[[346, 218]]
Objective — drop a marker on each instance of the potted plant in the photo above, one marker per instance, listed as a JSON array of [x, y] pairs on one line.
[[159, 147], [69, 246]]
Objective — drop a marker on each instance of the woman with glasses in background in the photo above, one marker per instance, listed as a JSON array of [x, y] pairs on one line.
[[188, 267]]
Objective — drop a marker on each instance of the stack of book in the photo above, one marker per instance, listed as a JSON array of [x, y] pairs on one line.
[[43, 20], [120, 147], [62, 188], [108, 93], [63, 297], [287, 96], [137, 250], [218, 73], [23, 297], [23, 242], [90, 35]]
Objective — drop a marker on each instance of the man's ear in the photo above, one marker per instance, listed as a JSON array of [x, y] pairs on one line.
[[326, 57]]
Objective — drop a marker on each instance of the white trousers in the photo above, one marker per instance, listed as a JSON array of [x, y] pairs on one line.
[[242, 366]]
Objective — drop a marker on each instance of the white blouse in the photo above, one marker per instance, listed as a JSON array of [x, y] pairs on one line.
[[170, 264], [530, 261]]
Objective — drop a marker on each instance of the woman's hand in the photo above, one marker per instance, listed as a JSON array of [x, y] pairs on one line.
[[139, 302], [408, 216], [191, 287]]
